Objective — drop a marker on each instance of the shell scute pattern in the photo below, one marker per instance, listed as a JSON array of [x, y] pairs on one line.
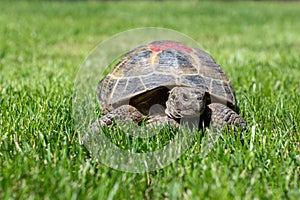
[[140, 58], [203, 56], [163, 64], [133, 86], [175, 62], [196, 81], [104, 93], [159, 79]]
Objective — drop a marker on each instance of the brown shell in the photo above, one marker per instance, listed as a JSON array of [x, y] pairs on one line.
[[147, 73]]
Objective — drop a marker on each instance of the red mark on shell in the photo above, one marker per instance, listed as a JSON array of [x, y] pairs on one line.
[[164, 45]]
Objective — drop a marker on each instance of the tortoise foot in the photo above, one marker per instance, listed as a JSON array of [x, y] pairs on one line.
[[219, 116], [123, 114]]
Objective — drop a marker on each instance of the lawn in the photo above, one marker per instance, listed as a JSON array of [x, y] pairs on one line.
[[42, 47]]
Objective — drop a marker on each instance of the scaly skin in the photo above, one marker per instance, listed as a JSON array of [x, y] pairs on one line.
[[125, 113], [183, 102], [220, 116]]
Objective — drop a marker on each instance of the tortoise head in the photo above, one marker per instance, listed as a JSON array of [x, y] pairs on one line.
[[185, 102]]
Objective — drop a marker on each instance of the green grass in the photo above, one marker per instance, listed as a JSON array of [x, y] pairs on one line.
[[42, 46]]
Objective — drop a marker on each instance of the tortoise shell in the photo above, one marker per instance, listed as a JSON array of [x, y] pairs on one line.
[[144, 76]]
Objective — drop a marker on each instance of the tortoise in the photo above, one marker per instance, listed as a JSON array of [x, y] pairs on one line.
[[165, 81]]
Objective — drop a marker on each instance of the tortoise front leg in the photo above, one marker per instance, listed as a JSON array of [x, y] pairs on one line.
[[125, 113], [219, 116]]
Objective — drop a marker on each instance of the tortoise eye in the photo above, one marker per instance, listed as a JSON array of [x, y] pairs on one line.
[[185, 97]]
